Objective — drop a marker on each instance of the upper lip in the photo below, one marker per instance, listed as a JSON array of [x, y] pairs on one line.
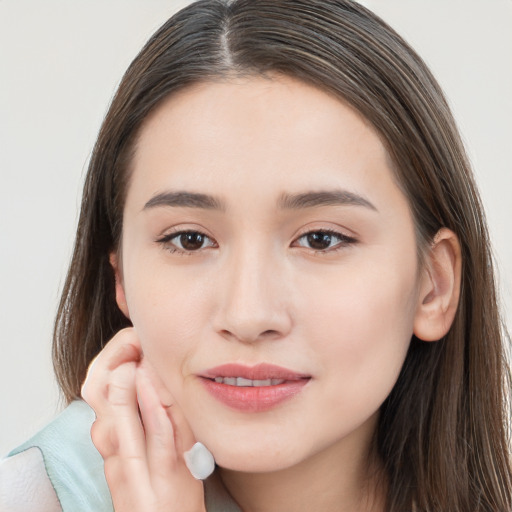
[[262, 371]]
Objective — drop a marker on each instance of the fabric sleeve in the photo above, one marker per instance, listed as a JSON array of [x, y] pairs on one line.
[[24, 484]]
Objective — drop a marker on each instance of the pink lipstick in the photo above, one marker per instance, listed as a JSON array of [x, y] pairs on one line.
[[253, 388]]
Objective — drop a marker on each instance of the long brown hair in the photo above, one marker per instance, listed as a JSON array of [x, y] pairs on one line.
[[442, 434]]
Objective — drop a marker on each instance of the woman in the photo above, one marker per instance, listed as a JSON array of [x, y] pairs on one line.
[[331, 335]]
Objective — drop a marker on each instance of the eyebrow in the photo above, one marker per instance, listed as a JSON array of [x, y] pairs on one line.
[[286, 201], [323, 198], [186, 200]]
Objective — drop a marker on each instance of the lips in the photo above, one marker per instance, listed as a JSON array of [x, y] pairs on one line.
[[262, 371], [253, 388]]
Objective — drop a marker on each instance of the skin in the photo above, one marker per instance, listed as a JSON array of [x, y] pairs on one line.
[[255, 290]]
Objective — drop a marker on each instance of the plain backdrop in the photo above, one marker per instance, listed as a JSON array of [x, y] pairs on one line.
[[60, 62]]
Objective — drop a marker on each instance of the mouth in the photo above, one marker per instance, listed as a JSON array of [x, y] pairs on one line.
[[235, 374], [253, 388], [242, 382]]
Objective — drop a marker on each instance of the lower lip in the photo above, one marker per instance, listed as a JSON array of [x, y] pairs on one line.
[[254, 399]]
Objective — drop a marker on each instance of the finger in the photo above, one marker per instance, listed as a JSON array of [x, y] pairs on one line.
[[123, 347], [130, 487], [119, 437], [169, 476], [110, 391], [183, 436], [159, 432], [164, 395], [118, 429]]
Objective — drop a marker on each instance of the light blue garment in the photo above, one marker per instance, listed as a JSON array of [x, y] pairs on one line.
[[75, 467], [73, 464]]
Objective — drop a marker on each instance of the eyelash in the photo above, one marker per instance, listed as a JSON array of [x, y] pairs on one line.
[[345, 241]]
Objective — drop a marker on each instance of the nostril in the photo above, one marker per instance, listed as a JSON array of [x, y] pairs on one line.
[[270, 333]]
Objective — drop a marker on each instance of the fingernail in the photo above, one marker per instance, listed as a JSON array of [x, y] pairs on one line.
[[199, 461]]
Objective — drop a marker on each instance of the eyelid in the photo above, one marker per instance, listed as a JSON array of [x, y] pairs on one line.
[[170, 232], [328, 227]]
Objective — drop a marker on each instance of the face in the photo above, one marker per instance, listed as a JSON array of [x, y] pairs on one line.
[[299, 253]]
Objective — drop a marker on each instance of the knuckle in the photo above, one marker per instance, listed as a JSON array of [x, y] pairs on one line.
[[88, 396], [126, 337], [96, 433], [84, 393], [93, 393], [122, 348], [104, 439], [129, 335], [120, 391]]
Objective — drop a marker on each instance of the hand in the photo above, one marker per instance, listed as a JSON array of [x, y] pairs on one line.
[[143, 453]]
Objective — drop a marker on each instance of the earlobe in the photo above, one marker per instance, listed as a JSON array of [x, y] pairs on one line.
[[439, 287], [120, 295]]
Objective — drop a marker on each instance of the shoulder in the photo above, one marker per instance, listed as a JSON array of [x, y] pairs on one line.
[[71, 463], [60, 470], [24, 484]]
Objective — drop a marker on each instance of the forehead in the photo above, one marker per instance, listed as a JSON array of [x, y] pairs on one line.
[[257, 135]]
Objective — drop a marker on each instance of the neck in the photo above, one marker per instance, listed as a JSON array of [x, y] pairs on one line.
[[340, 478]]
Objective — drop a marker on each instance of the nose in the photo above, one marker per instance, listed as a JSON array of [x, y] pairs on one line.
[[253, 300]]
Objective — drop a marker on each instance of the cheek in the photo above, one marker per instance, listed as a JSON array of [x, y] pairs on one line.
[[168, 313], [361, 326]]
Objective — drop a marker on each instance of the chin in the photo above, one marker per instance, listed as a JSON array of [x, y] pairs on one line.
[[254, 457], [263, 464]]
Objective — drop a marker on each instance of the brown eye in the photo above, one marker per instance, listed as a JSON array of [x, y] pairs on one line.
[[186, 241], [319, 240], [191, 241], [325, 240]]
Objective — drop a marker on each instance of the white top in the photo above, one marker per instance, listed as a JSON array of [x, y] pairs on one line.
[[24, 484]]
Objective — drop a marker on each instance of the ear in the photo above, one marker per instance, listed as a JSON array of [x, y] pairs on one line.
[[120, 296], [439, 287]]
